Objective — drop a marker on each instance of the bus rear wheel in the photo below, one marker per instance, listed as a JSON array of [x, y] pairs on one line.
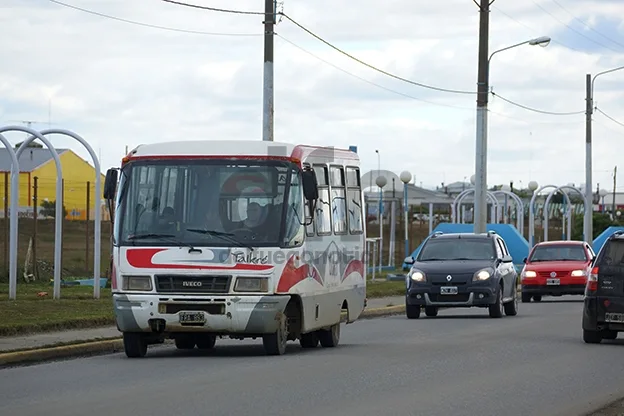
[[330, 337]]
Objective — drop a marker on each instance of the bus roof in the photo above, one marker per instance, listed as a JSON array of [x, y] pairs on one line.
[[237, 148]]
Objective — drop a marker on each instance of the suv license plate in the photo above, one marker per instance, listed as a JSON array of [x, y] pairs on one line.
[[553, 282], [192, 318], [448, 290], [614, 317]]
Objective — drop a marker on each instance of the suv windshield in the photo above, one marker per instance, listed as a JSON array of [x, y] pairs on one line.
[[209, 202], [613, 254], [560, 252], [458, 249]]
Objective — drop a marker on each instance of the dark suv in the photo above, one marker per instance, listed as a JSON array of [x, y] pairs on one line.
[[462, 270], [603, 308]]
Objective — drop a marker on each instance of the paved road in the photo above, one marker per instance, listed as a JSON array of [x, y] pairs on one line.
[[461, 363]]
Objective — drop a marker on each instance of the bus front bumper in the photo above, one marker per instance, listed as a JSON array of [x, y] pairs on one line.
[[215, 314]]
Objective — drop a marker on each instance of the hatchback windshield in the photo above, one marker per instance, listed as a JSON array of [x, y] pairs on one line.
[[458, 249], [561, 252]]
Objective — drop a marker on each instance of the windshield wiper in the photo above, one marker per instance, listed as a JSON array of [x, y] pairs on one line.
[[169, 237], [225, 236]]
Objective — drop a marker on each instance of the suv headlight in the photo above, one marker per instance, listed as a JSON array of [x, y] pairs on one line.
[[251, 284], [417, 276], [137, 283], [482, 275]]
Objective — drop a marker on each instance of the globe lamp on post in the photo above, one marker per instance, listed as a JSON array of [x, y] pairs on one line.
[[406, 177]]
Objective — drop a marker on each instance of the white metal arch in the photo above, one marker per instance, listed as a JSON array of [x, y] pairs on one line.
[[519, 208], [454, 208], [568, 213], [58, 229], [532, 211], [98, 220], [13, 219], [489, 195]]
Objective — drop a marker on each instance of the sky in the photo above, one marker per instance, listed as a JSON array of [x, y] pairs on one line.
[[119, 84]]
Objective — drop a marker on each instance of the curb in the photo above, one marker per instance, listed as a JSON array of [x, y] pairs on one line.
[[114, 345]]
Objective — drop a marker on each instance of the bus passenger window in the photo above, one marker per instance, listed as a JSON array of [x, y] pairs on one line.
[[354, 201]]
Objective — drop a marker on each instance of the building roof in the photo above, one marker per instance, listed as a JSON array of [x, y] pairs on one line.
[[29, 160]]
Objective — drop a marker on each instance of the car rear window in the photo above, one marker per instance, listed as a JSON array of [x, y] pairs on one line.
[[558, 252], [457, 249], [612, 254]]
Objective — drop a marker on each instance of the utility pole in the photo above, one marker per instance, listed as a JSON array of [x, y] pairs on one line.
[[268, 91], [480, 202], [614, 188], [588, 218]]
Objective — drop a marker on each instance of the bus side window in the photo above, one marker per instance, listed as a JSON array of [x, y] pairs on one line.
[[354, 201], [338, 203], [323, 205], [306, 208]]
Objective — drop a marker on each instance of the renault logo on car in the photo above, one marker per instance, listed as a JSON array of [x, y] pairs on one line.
[[192, 283], [449, 278]]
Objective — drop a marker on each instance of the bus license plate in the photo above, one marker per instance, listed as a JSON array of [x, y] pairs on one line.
[[553, 282], [614, 317], [192, 318], [448, 290]]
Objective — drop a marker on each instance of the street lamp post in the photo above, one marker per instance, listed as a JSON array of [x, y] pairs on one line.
[[589, 110], [381, 182], [480, 202], [406, 177]]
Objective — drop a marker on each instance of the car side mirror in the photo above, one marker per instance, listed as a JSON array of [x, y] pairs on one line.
[[507, 259], [310, 185], [409, 260], [110, 184], [524, 260]]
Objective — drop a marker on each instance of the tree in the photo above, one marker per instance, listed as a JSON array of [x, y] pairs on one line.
[[601, 223], [48, 209]]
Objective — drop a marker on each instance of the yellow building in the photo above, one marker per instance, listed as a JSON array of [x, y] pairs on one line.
[[37, 162]]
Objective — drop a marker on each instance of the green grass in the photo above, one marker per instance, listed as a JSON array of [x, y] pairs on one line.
[[31, 313]]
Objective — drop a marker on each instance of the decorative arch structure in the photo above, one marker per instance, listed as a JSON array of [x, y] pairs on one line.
[[568, 213], [13, 217], [532, 210]]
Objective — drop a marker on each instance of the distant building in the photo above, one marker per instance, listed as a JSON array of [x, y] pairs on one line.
[[37, 162]]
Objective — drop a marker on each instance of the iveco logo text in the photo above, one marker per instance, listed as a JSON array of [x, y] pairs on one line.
[[191, 283]]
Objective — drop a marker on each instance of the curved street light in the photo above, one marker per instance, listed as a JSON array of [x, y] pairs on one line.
[[480, 201]]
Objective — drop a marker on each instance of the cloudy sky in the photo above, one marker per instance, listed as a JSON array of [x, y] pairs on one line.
[[117, 83]]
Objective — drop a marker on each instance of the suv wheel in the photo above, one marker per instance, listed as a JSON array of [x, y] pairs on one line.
[[511, 308], [431, 310], [496, 310], [412, 311], [592, 337]]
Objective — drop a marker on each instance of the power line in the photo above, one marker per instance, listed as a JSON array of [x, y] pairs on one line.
[[572, 29], [370, 82], [308, 31], [133, 22], [609, 117], [535, 109], [586, 25], [215, 9]]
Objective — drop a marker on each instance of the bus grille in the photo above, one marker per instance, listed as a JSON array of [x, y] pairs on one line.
[[192, 284]]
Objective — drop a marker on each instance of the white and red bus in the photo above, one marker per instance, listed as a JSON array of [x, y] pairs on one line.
[[236, 239]]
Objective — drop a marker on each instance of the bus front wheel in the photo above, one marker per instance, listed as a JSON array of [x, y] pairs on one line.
[[275, 343]]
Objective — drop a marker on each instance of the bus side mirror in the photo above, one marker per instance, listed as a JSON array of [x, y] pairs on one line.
[[310, 188], [110, 184]]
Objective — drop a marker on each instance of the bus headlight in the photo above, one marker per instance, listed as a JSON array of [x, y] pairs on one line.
[[251, 284], [137, 283]]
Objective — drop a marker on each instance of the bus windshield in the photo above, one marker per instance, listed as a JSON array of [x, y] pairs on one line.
[[209, 202]]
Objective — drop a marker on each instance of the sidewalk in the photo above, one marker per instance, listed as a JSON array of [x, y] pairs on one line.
[[51, 338]]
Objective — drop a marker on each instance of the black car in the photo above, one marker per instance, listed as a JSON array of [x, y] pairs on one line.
[[462, 270], [603, 305]]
